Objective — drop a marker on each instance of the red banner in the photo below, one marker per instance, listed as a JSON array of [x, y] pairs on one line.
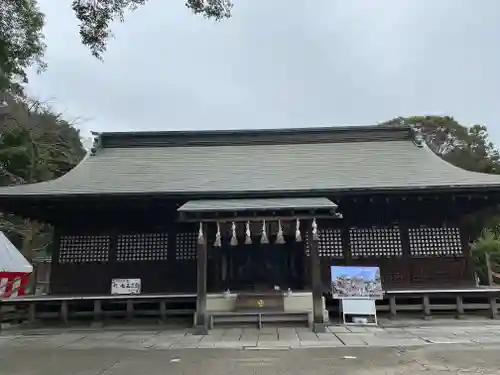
[[13, 284]]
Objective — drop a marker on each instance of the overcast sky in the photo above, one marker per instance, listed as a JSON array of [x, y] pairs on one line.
[[279, 63]]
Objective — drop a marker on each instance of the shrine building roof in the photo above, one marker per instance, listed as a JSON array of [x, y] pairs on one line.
[[245, 163]]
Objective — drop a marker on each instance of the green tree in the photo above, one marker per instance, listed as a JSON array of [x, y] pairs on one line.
[[465, 147], [36, 144], [21, 41], [21, 31], [95, 16], [488, 243]]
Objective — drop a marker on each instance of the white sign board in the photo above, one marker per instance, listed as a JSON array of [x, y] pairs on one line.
[[359, 306], [126, 286]]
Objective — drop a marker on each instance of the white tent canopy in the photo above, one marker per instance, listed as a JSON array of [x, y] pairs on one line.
[[11, 259]]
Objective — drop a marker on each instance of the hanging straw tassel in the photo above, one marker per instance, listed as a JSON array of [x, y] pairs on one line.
[[314, 229], [234, 240], [298, 235], [248, 235], [263, 236], [201, 238], [280, 238], [218, 242]]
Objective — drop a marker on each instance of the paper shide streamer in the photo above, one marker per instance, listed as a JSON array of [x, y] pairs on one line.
[[248, 234], [298, 235], [234, 239], [280, 238], [218, 241], [263, 235], [201, 238]]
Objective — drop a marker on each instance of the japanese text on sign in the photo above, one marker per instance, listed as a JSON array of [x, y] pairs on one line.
[[126, 286]]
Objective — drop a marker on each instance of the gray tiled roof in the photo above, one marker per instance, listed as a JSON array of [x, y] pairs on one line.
[[253, 168], [256, 204]]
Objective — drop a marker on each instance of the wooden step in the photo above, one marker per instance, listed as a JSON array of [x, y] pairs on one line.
[[274, 301], [258, 317]]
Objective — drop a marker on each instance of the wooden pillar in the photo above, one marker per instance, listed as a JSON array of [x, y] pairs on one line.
[[98, 312], [64, 312], [201, 321], [163, 311], [317, 286], [469, 276], [130, 310], [32, 312], [427, 307], [406, 269], [54, 264], [460, 306], [488, 269], [493, 307], [1, 316], [393, 307]]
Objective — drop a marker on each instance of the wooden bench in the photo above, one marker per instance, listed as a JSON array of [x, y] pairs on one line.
[[254, 301], [258, 317], [258, 307]]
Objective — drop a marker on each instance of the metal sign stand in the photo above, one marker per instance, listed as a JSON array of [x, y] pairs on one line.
[[359, 307], [357, 288]]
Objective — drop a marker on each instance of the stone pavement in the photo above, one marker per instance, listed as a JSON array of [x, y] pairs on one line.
[[475, 333], [438, 359]]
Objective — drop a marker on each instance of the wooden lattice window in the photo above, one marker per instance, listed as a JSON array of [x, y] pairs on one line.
[[375, 242], [143, 246], [84, 249], [329, 243], [429, 242], [185, 245]]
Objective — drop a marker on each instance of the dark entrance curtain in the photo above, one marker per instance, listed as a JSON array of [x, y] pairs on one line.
[[261, 267]]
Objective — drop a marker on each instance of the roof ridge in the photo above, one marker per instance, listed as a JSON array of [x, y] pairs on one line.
[[252, 136]]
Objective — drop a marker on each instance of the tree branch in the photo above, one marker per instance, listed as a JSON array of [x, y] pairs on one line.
[[16, 180]]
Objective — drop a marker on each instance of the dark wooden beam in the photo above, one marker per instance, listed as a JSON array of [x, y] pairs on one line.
[[243, 219], [318, 325], [469, 271], [201, 325]]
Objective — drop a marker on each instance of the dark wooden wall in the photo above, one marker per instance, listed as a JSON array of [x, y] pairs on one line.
[[434, 257], [164, 261], [416, 242], [99, 243]]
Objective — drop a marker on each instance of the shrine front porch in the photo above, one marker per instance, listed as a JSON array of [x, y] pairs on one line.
[[397, 305]]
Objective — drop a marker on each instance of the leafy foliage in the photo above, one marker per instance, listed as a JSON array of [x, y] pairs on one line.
[[470, 149], [36, 145], [467, 148], [21, 41], [95, 17], [487, 243], [21, 31]]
